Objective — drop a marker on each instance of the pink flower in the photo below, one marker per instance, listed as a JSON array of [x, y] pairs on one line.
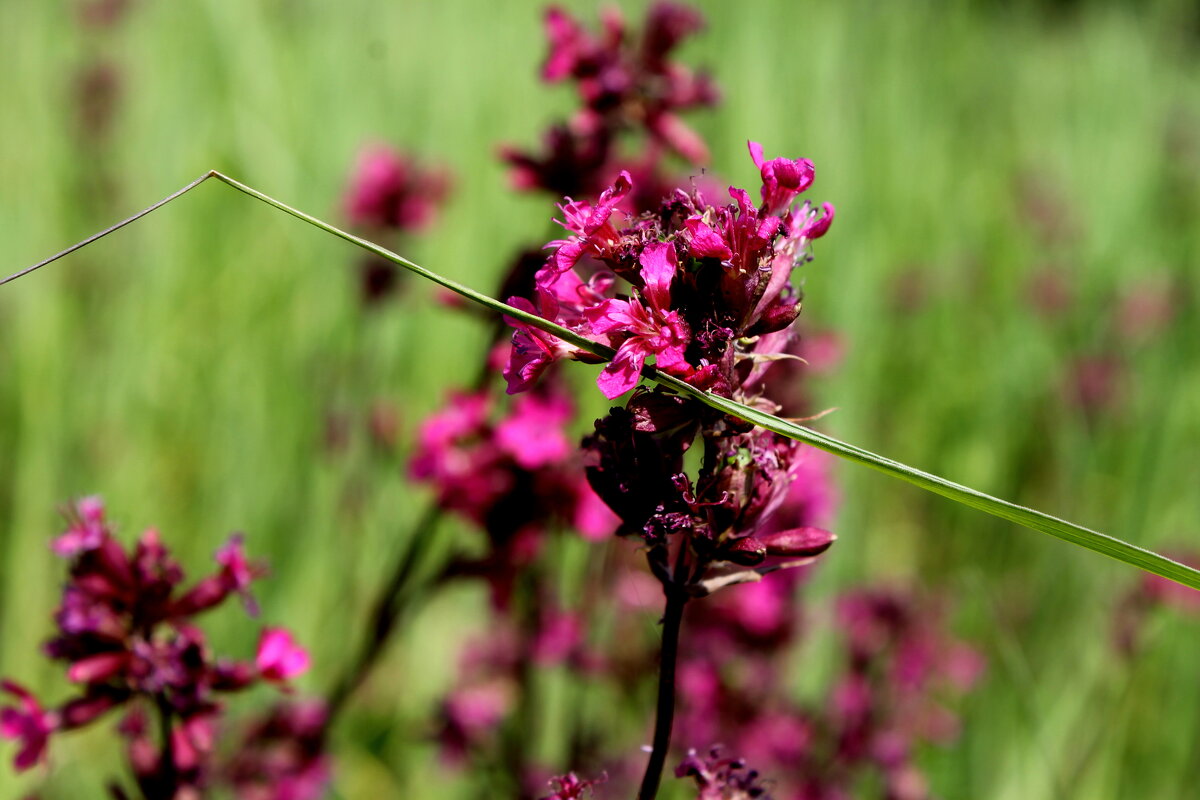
[[279, 658], [719, 777], [593, 231], [567, 41], [740, 240], [235, 567], [562, 297], [649, 326], [29, 724], [98, 668], [282, 756], [593, 519], [807, 225], [783, 178], [533, 433], [472, 714], [572, 787], [389, 191], [560, 634], [87, 529], [456, 453]]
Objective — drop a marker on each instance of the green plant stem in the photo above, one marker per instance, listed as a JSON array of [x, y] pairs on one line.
[[1027, 517], [397, 597]]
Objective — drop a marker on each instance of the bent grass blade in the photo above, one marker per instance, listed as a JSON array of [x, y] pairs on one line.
[[1036, 520]]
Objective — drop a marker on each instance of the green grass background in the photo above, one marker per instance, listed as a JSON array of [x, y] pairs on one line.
[[184, 368]]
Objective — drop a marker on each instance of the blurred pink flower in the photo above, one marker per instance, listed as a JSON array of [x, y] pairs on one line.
[[279, 657], [28, 723], [389, 190]]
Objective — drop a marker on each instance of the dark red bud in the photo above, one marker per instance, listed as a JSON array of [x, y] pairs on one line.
[[114, 563], [82, 710], [204, 595], [797, 542], [233, 676], [775, 318], [747, 551]]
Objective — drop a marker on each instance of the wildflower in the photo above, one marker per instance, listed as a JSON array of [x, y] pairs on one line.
[[647, 324], [472, 714], [572, 787], [572, 162], [28, 723], [389, 190], [721, 778], [533, 433], [711, 283], [515, 476], [626, 84], [126, 636], [783, 178], [282, 755], [87, 529], [594, 233], [279, 658], [617, 78]]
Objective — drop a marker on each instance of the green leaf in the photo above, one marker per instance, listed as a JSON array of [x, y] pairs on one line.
[[1067, 531]]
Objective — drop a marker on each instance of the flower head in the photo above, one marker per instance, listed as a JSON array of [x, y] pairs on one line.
[[87, 528], [28, 723], [646, 326], [282, 755], [126, 636], [709, 284], [572, 787], [389, 190], [279, 657], [783, 178], [721, 778]]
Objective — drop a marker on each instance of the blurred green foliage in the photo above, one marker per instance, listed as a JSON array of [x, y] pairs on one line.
[[1006, 178]]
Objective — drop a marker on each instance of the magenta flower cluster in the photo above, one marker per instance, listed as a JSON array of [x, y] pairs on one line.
[[491, 670], [719, 777], [127, 636], [709, 284], [899, 671], [625, 84], [515, 475], [391, 191], [391, 194], [711, 300]]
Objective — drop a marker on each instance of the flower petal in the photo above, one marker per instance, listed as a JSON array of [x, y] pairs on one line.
[[659, 264]]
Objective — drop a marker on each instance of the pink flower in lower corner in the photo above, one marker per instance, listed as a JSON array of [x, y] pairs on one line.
[[28, 723], [648, 324], [279, 657]]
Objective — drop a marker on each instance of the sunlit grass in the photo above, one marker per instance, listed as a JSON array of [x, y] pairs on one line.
[[185, 369]]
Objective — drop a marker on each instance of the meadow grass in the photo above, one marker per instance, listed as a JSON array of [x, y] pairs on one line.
[[186, 368]]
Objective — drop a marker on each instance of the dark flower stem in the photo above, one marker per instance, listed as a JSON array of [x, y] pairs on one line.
[[165, 784], [672, 619]]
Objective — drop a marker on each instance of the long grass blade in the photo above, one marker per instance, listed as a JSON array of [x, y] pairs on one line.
[[1036, 520]]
